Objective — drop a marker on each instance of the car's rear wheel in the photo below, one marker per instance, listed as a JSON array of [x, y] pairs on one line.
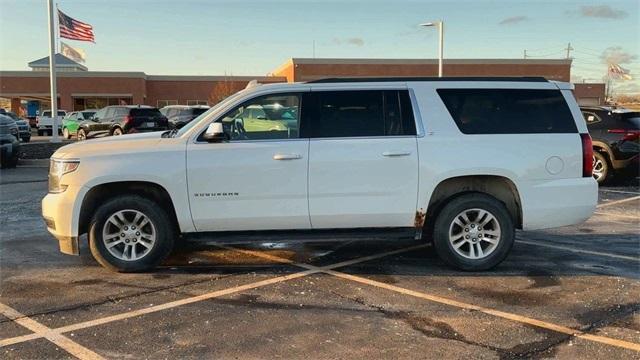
[[473, 232], [600, 167], [117, 132], [130, 234], [81, 135]]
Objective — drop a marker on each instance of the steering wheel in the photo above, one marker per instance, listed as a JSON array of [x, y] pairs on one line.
[[237, 130]]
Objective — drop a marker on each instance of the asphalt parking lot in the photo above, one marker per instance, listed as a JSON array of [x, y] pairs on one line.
[[572, 292]]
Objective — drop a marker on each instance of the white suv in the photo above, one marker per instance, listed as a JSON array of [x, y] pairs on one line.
[[462, 162]]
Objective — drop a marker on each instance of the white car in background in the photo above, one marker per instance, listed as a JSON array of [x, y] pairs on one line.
[[460, 162], [44, 122]]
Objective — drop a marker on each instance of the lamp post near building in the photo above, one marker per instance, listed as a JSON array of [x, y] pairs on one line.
[[440, 26]]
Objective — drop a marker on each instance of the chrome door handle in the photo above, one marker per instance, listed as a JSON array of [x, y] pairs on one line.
[[396, 153], [287, 156]]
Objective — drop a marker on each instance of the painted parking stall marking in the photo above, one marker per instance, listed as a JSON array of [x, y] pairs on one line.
[[505, 315], [173, 304], [60, 340]]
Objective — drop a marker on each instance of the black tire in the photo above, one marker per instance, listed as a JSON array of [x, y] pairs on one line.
[[447, 215], [26, 139], [165, 234], [81, 135], [117, 132], [603, 172]]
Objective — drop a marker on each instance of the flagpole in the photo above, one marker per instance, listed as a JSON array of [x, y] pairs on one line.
[[52, 73]]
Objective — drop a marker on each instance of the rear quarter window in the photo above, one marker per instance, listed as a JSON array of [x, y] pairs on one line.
[[508, 111]]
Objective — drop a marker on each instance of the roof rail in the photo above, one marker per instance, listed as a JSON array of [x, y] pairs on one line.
[[452, 78]]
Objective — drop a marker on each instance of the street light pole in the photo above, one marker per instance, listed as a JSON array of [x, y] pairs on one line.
[[440, 26]]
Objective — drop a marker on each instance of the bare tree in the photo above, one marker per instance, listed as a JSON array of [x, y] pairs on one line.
[[223, 89]]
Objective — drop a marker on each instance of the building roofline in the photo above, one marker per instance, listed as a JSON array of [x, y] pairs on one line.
[[141, 75], [362, 61]]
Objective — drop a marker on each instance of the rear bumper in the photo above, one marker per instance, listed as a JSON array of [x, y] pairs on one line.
[[555, 203]]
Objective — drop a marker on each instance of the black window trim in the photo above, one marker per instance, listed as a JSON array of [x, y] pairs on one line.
[[457, 126], [198, 139], [416, 114]]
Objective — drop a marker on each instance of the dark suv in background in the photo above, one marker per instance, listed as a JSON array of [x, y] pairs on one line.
[[120, 120], [616, 140], [181, 115]]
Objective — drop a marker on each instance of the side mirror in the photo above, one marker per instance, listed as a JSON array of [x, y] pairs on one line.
[[214, 133]]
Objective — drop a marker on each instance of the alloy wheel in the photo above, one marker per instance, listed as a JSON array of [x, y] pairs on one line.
[[598, 168], [474, 233], [129, 235]]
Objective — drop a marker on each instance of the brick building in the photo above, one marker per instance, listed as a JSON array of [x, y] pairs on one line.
[[78, 88]]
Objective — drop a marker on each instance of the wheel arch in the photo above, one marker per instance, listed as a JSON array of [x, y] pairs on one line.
[[499, 187], [98, 194]]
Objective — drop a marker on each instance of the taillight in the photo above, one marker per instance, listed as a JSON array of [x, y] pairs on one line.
[[587, 155], [628, 134], [128, 120]]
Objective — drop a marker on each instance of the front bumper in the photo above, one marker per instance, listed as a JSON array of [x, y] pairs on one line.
[[61, 213]]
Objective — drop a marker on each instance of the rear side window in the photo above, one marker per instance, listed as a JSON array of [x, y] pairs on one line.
[[145, 112], [508, 111], [359, 113]]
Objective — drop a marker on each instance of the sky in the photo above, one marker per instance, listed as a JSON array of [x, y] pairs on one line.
[[196, 37]]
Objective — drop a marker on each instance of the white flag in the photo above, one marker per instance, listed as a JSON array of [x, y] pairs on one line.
[[72, 53]]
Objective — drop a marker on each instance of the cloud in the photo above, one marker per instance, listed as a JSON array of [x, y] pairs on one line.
[[617, 55], [355, 41], [602, 11], [513, 20]]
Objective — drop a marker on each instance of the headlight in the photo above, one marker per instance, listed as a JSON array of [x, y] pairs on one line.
[[57, 168]]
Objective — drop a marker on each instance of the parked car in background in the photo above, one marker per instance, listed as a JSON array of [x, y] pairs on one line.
[[9, 143], [71, 122], [616, 140], [120, 120], [44, 122], [24, 130], [180, 115], [458, 162]]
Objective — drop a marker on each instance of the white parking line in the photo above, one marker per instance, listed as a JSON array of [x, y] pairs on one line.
[[126, 315], [489, 311], [617, 202], [459, 304], [62, 341], [581, 251]]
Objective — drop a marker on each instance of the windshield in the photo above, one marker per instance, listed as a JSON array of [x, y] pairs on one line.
[[88, 114], [215, 107]]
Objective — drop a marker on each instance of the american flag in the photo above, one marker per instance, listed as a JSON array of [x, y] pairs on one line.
[[618, 72], [73, 29]]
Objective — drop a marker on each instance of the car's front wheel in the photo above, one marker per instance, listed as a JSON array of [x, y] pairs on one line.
[[130, 234], [81, 135], [473, 232], [600, 167]]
